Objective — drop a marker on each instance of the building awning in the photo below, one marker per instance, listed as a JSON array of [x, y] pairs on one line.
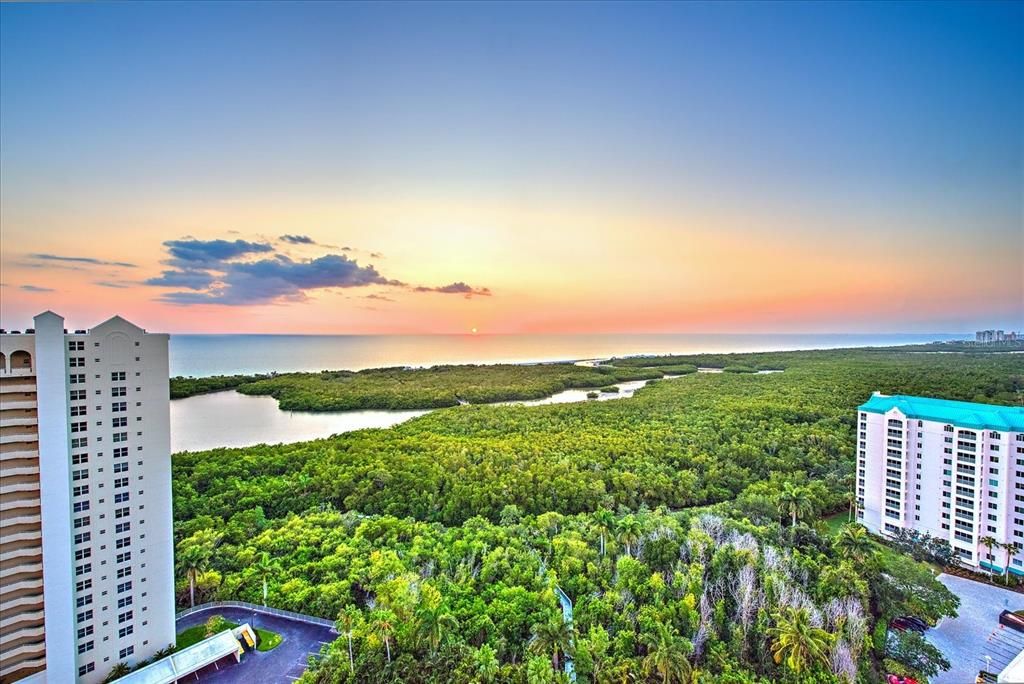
[[186, 661]]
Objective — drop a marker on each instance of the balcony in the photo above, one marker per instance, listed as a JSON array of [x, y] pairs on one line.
[[30, 653], [11, 487], [14, 558], [24, 603], [17, 451], [28, 516], [11, 621], [14, 435], [25, 585], [12, 402], [23, 536], [14, 384], [27, 468]]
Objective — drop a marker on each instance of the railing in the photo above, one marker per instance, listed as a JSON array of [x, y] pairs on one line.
[[266, 610]]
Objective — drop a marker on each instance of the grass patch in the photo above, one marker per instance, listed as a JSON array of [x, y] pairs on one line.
[[835, 521], [267, 640]]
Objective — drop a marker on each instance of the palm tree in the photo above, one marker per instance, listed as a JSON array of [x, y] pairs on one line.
[[666, 654], [629, 532], [348, 618], [118, 671], [264, 568], [1012, 549], [989, 543], [554, 637], [431, 622], [194, 555], [851, 500], [853, 542], [384, 627], [797, 642], [487, 665], [604, 520], [795, 501]]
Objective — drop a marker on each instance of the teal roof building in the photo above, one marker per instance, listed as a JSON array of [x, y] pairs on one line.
[[960, 413]]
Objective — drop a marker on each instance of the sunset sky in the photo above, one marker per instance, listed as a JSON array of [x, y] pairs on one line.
[[519, 168]]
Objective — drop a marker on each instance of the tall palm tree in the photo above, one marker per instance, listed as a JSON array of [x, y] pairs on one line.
[[666, 654], [794, 501], [797, 642], [194, 555], [384, 627], [348, 618], [554, 637], [989, 543], [853, 542], [629, 532], [851, 500], [1011, 549], [195, 561], [487, 665], [604, 519], [431, 622], [264, 569]]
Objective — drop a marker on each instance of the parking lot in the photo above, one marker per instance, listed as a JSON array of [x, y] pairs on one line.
[[283, 665], [974, 633]]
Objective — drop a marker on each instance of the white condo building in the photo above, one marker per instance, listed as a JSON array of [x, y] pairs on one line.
[[952, 469], [86, 548]]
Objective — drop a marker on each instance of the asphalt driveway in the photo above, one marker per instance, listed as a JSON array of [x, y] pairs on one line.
[[967, 638], [282, 665]]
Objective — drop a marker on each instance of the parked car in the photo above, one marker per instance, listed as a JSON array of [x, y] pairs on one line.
[[900, 679], [902, 624], [915, 621]]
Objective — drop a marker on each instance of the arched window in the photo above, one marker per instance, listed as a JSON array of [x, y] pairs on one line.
[[3, 362], [21, 360]]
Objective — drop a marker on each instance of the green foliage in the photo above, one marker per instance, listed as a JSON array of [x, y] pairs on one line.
[[435, 387], [687, 506], [182, 387], [919, 658], [217, 624]]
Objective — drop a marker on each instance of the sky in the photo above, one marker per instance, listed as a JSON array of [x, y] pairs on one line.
[[514, 168]]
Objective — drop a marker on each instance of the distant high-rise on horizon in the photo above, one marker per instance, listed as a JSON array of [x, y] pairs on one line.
[[991, 336], [87, 563], [952, 469]]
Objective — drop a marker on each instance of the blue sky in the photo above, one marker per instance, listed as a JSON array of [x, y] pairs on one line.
[[884, 125]]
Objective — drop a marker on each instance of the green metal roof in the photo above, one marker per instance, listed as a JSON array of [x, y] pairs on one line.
[[962, 413]]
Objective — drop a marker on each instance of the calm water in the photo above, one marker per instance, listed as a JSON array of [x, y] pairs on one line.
[[230, 419], [200, 355]]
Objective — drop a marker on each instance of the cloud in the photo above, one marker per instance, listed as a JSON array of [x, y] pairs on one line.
[[81, 260], [274, 280], [376, 255], [108, 283], [457, 288], [298, 239], [192, 279], [36, 288], [224, 272], [191, 251]]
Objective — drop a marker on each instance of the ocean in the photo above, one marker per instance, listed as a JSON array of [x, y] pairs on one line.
[[202, 355]]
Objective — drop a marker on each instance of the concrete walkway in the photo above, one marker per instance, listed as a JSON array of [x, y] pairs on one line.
[[965, 639], [282, 665]]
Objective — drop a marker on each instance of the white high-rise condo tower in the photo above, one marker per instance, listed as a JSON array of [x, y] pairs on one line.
[[86, 548], [953, 469]]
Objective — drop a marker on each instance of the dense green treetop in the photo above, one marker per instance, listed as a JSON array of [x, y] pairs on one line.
[[681, 521]]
